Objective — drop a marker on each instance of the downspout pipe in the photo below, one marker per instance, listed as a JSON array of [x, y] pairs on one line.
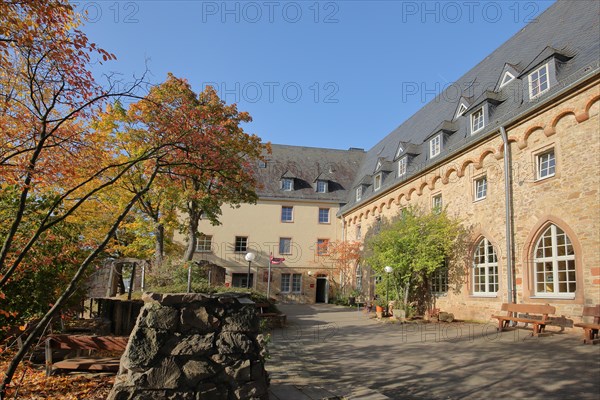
[[510, 285]]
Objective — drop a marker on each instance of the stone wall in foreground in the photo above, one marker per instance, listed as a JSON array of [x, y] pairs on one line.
[[192, 347]]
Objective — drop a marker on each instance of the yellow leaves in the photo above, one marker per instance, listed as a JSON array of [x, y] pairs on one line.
[[36, 386]]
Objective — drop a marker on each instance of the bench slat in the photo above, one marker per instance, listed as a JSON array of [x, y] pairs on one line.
[[89, 364], [529, 308], [83, 342]]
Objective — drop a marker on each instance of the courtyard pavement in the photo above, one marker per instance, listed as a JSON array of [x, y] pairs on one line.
[[330, 350]]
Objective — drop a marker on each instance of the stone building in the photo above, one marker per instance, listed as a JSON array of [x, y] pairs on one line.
[[540, 90], [512, 148]]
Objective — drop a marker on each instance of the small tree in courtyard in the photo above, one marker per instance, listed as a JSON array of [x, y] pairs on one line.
[[416, 245]]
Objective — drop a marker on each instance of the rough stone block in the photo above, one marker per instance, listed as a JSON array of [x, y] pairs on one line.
[[142, 348], [197, 317], [197, 370], [232, 342], [195, 344], [167, 375]]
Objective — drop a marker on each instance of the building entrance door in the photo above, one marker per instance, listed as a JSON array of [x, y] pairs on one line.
[[322, 290]]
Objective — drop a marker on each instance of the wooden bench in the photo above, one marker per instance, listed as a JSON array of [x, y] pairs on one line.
[[590, 330], [535, 314], [273, 320], [84, 342]]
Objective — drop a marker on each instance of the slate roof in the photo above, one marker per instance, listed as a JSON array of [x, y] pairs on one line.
[[568, 27], [305, 165]]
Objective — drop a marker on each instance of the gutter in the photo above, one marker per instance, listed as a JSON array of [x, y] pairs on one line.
[[510, 285]]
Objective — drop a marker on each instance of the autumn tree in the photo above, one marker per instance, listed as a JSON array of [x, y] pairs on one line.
[[343, 257], [212, 136]]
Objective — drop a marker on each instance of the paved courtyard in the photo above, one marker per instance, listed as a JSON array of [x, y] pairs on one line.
[[344, 352]]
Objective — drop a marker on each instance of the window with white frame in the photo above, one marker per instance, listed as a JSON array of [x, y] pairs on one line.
[[287, 184], [322, 247], [287, 214], [546, 164], [262, 164], [554, 264], [477, 121], [439, 280], [204, 244], [480, 189], [323, 215], [358, 232], [296, 283], [435, 146], [402, 163], [485, 269], [285, 283], [377, 182], [285, 245], [241, 243], [436, 203], [321, 186], [538, 82], [358, 193], [359, 277]]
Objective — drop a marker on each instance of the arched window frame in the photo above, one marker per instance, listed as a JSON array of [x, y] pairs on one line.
[[548, 263], [483, 263]]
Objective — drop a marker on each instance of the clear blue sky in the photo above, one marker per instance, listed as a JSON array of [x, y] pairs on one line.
[[326, 74]]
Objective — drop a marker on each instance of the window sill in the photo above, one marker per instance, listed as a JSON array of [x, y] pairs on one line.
[[484, 295], [478, 200], [545, 177], [553, 297], [287, 222], [203, 251]]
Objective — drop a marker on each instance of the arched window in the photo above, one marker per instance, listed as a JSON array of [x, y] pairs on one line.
[[358, 277], [554, 264], [485, 269]]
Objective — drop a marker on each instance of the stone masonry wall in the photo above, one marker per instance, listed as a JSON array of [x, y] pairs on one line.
[[569, 199], [193, 347]]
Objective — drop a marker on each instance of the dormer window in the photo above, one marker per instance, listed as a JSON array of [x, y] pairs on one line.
[[506, 79], [477, 121], [400, 151], [358, 193], [538, 82], [377, 182], [321, 186], [402, 163], [435, 146], [378, 165], [287, 184], [461, 110]]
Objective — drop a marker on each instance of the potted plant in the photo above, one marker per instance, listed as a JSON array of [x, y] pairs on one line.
[[380, 305]]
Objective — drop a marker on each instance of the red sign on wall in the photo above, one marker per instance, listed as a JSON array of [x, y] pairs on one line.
[[312, 285], [226, 284]]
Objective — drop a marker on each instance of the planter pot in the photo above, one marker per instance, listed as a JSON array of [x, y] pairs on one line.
[[352, 301], [379, 309]]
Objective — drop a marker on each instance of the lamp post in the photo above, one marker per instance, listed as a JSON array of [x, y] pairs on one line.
[[387, 270], [250, 256]]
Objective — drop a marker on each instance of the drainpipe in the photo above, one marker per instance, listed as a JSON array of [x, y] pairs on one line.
[[511, 292]]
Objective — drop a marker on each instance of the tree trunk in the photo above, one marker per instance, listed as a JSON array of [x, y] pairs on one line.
[[159, 244], [192, 231]]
